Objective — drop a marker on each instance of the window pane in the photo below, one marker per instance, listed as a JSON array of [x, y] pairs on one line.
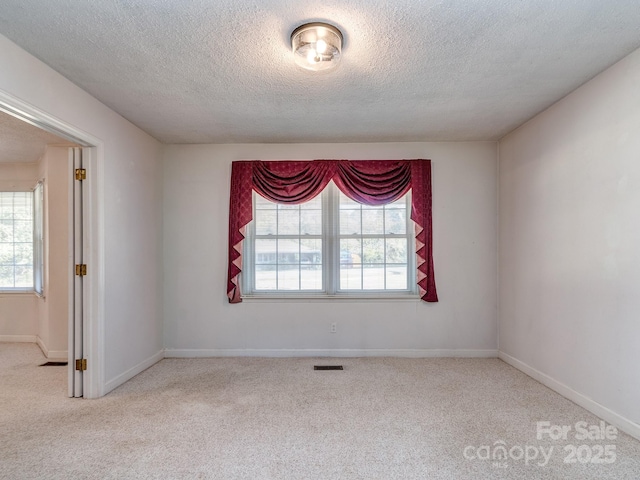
[[22, 209], [350, 252], [6, 230], [311, 253], [6, 254], [315, 204], [6, 276], [6, 206], [372, 221], [23, 253], [288, 220], [346, 202], [401, 203], [373, 250], [396, 251], [23, 231], [262, 203], [396, 277], [266, 253], [350, 222], [310, 278], [266, 222], [288, 277], [24, 276], [396, 221], [288, 252], [373, 277], [266, 277], [311, 222], [351, 277]]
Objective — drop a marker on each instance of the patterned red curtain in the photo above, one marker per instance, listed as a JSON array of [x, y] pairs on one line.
[[371, 182]]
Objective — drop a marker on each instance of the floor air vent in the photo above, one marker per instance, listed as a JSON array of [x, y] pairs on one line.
[[54, 364], [328, 367]]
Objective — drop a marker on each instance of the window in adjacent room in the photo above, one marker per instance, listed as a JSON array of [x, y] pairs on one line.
[[21, 241]]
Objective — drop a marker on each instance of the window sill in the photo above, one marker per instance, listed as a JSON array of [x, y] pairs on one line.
[[330, 298], [16, 292]]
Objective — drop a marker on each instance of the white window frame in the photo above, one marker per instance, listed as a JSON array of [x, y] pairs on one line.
[[38, 239], [331, 260]]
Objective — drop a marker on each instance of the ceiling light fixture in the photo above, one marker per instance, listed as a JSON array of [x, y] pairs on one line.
[[316, 46]]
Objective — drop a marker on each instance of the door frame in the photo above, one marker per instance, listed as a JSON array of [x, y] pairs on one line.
[[94, 282]]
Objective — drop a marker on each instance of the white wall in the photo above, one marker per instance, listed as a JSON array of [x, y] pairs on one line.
[[200, 321], [18, 311], [53, 308], [569, 243], [131, 204]]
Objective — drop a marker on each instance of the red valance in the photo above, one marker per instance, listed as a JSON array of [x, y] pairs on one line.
[[371, 182]]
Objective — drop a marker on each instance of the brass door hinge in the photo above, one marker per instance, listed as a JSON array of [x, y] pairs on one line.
[[81, 174], [81, 364], [81, 270]]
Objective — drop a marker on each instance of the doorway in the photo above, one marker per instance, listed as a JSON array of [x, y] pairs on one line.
[[84, 250]]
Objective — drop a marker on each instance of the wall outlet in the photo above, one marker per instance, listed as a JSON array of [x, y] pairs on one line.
[[334, 327]]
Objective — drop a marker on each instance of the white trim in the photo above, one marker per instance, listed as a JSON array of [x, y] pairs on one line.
[[58, 355], [94, 325], [331, 262], [36, 117], [355, 298], [132, 372], [70, 279], [338, 353], [43, 347], [61, 355], [16, 185], [585, 402], [18, 338], [94, 334]]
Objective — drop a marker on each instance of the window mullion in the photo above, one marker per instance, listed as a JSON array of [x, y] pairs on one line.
[[299, 248], [384, 246], [361, 250], [411, 250], [329, 213], [277, 248]]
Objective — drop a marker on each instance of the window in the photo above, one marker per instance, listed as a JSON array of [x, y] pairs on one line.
[[331, 226], [374, 246], [330, 244], [287, 246], [21, 245]]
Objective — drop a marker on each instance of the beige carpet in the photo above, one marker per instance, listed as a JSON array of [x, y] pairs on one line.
[[246, 418]]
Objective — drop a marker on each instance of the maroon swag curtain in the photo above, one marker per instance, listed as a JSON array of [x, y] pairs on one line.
[[371, 182]]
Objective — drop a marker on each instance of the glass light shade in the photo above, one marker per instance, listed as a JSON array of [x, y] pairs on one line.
[[316, 46]]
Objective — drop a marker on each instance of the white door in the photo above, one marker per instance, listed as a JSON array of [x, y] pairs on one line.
[[79, 288]]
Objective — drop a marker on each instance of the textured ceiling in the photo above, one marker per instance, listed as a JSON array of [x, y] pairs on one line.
[[23, 143], [221, 71]]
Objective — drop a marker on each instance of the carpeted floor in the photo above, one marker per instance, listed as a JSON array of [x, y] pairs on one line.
[[256, 418]]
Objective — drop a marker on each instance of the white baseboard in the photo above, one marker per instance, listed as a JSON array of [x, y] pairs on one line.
[[132, 372], [594, 407], [58, 355], [43, 347], [18, 338], [340, 353]]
